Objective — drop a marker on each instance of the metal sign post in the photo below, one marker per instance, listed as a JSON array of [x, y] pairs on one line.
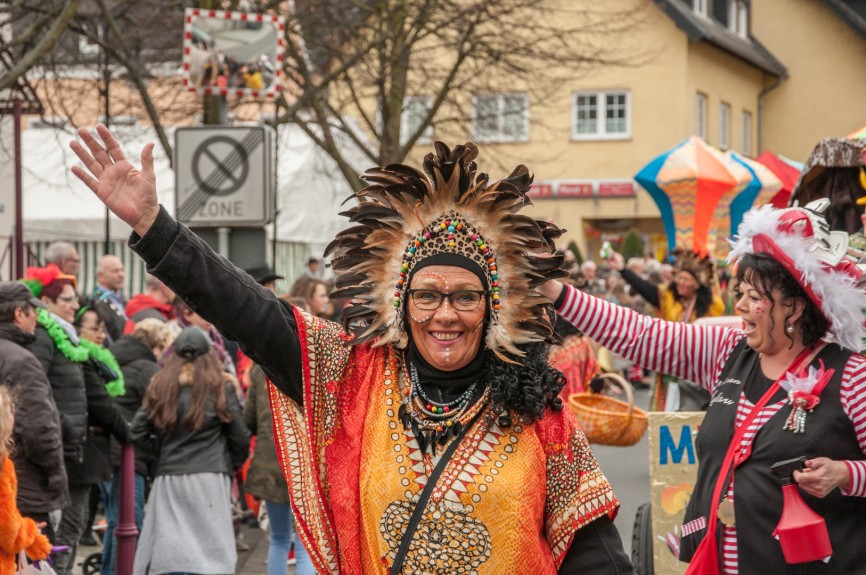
[[224, 176]]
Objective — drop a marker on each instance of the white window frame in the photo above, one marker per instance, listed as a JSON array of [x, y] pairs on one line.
[[738, 17], [701, 108], [724, 125], [600, 132], [702, 8], [407, 127], [746, 148], [500, 135]]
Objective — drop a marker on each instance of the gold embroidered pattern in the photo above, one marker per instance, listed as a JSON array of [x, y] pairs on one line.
[[577, 490], [447, 540]]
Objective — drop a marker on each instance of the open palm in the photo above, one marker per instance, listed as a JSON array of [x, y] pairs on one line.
[[128, 192]]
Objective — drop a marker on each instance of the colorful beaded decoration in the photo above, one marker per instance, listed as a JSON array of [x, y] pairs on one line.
[[450, 234]]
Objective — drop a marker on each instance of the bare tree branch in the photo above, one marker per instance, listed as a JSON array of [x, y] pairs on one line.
[[135, 75], [45, 44]]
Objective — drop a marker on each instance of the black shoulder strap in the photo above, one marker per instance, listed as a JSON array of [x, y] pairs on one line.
[[397, 566]]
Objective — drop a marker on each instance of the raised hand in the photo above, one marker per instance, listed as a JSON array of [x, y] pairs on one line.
[[129, 193]]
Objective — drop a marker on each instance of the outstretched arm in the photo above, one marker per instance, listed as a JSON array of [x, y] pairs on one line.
[[242, 310], [696, 353]]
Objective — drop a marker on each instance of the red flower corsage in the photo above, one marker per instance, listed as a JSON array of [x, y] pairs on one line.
[[804, 393]]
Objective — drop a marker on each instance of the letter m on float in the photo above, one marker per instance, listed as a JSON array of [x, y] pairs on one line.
[[669, 446]]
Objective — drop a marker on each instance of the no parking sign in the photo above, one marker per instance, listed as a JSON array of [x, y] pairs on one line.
[[224, 176]]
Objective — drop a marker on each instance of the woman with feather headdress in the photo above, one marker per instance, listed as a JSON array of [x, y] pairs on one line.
[[425, 434]]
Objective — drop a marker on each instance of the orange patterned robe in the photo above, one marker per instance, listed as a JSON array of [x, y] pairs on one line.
[[509, 500]]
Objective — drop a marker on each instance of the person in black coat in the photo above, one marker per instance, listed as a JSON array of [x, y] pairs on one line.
[[103, 382], [38, 454], [78, 386], [137, 354]]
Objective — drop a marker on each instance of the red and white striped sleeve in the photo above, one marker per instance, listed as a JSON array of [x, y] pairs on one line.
[[853, 394], [695, 353]]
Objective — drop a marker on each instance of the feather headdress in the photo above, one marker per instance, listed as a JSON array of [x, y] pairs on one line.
[[702, 268], [404, 216]]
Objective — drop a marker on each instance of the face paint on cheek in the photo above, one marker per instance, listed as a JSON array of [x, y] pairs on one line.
[[420, 319], [758, 308]]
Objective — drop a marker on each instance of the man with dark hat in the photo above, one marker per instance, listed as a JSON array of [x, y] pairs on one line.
[[38, 455], [264, 275]]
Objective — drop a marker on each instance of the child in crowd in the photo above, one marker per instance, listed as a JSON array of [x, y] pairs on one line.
[[16, 533], [191, 422]]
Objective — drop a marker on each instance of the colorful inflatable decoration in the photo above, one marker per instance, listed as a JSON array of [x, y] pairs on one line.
[[687, 183], [721, 224], [788, 172], [764, 186]]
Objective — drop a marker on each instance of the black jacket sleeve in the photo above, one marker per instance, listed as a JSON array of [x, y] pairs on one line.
[[142, 433], [101, 408], [597, 549], [645, 289], [237, 434], [43, 349], [137, 381], [240, 308], [37, 421]]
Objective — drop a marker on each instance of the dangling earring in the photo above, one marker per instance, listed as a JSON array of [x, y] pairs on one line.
[[790, 328]]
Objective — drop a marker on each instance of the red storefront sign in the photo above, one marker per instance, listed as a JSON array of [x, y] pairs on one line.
[[615, 189], [574, 190], [541, 191]]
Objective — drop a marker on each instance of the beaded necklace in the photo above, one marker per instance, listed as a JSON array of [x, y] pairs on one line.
[[435, 423], [439, 410]]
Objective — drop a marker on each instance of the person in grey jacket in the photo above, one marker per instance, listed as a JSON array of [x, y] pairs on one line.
[[38, 455], [191, 422]]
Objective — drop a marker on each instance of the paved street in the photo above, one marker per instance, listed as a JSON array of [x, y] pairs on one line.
[[627, 469], [250, 562]]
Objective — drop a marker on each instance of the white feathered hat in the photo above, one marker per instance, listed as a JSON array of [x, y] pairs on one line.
[[800, 239]]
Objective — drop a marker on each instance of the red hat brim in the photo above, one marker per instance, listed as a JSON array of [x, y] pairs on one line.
[[762, 243]]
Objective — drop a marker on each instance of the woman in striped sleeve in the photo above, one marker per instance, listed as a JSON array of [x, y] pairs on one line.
[[801, 302]]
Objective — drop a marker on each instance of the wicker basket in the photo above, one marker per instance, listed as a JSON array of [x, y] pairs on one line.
[[609, 421]]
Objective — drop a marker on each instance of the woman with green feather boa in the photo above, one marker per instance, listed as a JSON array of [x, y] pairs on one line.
[[81, 376]]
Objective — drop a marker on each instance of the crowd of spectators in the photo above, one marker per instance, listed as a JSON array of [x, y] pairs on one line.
[[635, 284], [90, 373]]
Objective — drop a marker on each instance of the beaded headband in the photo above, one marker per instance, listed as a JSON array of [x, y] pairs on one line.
[[449, 234], [405, 216]]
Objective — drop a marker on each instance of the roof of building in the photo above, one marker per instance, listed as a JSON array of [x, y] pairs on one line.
[[702, 28], [852, 12]]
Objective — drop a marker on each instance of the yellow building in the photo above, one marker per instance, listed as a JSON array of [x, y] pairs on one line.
[[746, 76], [823, 45]]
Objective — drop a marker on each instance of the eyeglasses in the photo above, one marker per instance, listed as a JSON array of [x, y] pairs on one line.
[[461, 300], [67, 299], [94, 328]]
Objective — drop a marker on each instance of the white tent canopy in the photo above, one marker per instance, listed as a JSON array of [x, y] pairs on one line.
[[310, 188]]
